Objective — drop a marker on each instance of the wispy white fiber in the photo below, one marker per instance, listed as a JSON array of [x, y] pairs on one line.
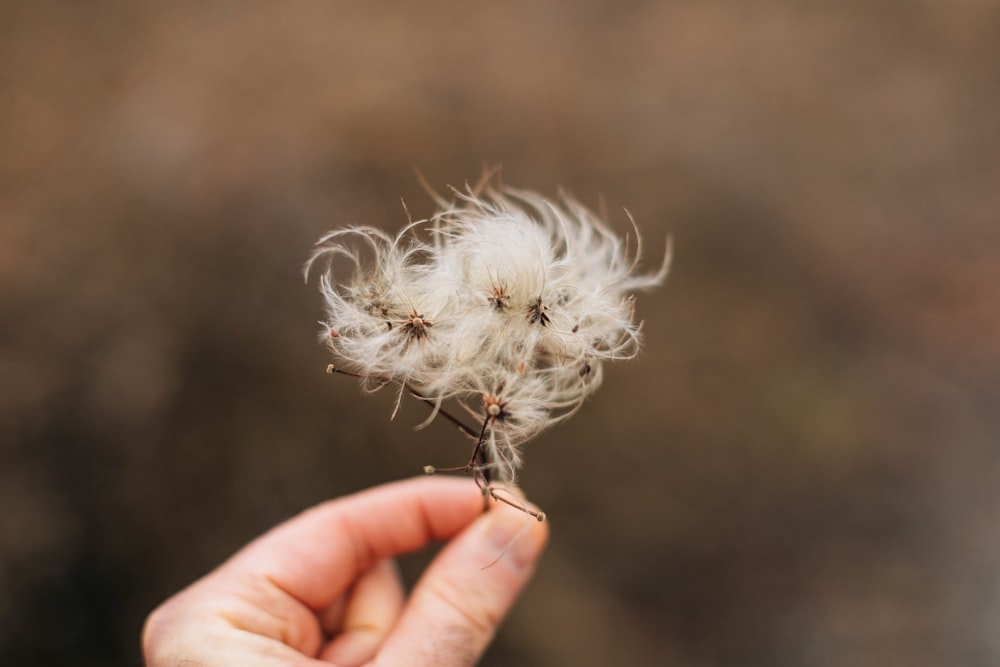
[[504, 301]]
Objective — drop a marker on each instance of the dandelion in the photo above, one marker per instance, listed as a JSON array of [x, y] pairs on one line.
[[503, 303]]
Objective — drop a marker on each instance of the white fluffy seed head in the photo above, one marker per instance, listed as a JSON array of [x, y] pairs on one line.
[[509, 305]]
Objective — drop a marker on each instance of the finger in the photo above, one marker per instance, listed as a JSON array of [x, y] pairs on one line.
[[457, 605], [315, 556], [371, 612], [331, 619]]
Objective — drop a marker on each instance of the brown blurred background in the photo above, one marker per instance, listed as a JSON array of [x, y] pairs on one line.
[[801, 469]]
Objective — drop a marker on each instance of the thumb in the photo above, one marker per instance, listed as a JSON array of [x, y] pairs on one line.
[[463, 596]]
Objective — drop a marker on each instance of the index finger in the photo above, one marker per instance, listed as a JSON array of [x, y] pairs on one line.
[[315, 556]]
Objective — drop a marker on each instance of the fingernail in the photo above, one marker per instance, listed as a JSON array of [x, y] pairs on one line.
[[515, 535]]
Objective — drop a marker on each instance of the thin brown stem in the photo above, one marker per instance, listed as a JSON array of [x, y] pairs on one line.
[[477, 465], [537, 514], [467, 430]]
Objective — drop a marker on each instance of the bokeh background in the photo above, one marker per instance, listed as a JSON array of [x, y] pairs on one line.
[[801, 469]]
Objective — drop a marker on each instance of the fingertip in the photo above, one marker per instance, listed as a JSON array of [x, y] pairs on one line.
[[516, 534]]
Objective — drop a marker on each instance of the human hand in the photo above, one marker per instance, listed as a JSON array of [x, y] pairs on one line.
[[322, 587]]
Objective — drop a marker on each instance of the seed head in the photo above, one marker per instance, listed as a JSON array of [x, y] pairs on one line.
[[503, 301]]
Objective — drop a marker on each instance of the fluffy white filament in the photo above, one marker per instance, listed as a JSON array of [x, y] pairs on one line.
[[504, 301]]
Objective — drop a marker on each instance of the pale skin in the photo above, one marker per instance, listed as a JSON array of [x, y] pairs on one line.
[[322, 588]]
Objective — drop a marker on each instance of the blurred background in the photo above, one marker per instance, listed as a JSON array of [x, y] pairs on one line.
[[802, 468]]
